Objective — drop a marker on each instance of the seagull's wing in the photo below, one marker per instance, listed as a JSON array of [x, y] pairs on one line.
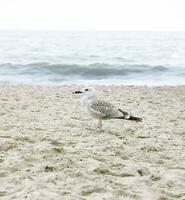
[[103, 109]]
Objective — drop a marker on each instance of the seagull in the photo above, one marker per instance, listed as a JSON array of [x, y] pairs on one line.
[[102, 110]]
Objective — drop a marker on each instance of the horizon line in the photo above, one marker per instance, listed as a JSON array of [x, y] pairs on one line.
[[85, 30]]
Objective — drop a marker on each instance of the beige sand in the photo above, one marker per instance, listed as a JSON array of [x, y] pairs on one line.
[[51, 149]]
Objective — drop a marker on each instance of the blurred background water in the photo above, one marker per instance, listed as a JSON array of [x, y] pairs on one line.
[[54, 58]]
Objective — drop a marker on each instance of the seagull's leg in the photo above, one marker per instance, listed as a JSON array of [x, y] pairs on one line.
[[100, 124]]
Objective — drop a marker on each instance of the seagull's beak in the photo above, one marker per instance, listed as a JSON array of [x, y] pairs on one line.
[[77, 92]]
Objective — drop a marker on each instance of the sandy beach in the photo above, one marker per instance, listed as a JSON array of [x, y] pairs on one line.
[[51, 149]]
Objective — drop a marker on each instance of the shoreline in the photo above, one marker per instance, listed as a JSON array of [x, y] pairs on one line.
[[51, 149], [94, 84]]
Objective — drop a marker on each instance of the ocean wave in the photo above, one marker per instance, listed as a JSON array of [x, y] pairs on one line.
[[46, 73], [92, 70]]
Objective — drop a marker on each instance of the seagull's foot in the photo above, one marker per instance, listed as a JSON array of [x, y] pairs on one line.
[[100, 130]]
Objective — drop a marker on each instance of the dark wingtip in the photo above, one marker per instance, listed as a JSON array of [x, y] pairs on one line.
[[137, 119], [128, 117]]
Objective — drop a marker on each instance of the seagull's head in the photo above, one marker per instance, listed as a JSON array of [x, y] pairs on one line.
[[86, 91]]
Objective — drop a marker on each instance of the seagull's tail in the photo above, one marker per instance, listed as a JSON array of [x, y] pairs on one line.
[[129, 117]]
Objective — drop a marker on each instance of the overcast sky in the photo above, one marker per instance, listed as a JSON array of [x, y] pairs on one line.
[[123, 15]]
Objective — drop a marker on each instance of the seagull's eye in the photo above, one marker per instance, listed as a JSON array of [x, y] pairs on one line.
[[86, 89]]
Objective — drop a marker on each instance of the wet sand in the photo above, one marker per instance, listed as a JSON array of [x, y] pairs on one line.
[[51, 149]]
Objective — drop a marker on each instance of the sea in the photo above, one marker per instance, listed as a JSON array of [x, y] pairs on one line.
[[105, 58]]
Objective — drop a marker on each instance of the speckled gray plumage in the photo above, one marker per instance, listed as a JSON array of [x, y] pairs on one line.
[[103, 110]]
